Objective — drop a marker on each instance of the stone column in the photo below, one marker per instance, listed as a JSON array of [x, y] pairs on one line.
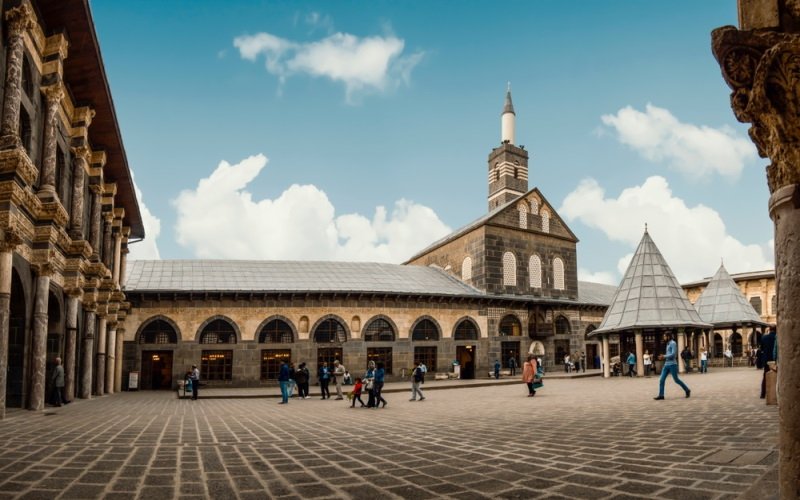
[[37, 395], [78, 187], [681, 345], [117, 258], [123, 265], [94, 229], [19, 19], [73, 305], [639, 353], [88, 354], [54, 94], [118, 365], [100, 378], [8, 243], [107, 255], [111, 357], [606, 358]]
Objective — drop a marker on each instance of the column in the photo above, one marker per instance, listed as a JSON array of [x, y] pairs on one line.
[[8, 243], [36, 398], [100, 378], [107, 256], [606, 358], [53, 94], [88, 353], [19, 20], [123, 265], [681, 345], [118, 365], [73, 305], [117, 256], [78, 188], [639, 353], [111, 356], [94, 229]]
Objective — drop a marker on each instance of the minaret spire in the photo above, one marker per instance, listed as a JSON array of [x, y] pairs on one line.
[[508, 119]]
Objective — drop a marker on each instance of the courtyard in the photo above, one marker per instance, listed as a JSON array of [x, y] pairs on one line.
[[578, 438]]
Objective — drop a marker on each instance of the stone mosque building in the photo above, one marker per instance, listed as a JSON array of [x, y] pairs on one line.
[[500, 287]]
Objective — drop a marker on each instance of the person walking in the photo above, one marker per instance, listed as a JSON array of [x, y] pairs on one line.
[[496, 369], [767, 354], [284, 381], [728, 357], [292, 381], [703, 361], [529, 369], [512, 364], [647, 359], [369, 384], [357, 388], [380, 373], [301, 377], [58, 384], [670, 367], [417, 376], [577, 357], [566, 363], [631, 364], [195, 378], [583, 361], [324, 375], [338, 377]]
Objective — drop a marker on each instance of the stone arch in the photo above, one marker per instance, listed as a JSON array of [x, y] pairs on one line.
[[510, 325], [535, 205], [462, 330], [283, 338], [237, 335], [172, 339], [562, 325], [425, 329], [373, 321], [324, 319], [735, 343]]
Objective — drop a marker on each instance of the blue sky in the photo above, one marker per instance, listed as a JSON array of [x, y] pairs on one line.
[[397, 105]]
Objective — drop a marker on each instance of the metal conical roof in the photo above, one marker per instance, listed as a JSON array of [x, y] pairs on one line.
[[509, 107], [723, 304], [649, 296]]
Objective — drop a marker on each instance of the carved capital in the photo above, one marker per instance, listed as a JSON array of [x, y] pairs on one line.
[[11, 239], [44, 269], [20, 19], [53, 94], [82, 153], [96, 189], [763, 70]]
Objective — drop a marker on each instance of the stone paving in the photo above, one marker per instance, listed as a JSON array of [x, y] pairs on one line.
[[578, 438]]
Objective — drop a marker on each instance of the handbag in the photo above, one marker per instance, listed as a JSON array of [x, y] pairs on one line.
[[368, 385]]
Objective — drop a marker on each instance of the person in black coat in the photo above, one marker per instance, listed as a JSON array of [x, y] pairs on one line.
[[765, 355]]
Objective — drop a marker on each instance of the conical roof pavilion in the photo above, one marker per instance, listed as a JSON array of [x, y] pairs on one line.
[[723, 305], [649, 296]]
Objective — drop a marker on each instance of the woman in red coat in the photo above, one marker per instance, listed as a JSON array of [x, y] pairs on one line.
[[529, 373]]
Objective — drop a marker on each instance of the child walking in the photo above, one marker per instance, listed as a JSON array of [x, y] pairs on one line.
[[357, 393]]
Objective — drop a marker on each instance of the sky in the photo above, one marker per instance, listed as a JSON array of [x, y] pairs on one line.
[[360, 130]]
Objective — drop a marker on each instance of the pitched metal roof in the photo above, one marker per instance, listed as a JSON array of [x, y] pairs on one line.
[[595, 293], [750, 275], [649, 295], [723, 304], [291, 276]]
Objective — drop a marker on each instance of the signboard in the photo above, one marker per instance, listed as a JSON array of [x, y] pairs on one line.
[[133, 381]]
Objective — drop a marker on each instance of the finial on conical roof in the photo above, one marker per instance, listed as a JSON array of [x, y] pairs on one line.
[[509, 107], [645, 227]]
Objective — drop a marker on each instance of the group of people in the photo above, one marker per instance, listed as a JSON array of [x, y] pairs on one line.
[[575, 362], [291, 377]]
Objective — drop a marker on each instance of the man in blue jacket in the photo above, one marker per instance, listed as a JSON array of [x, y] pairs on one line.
[[670, 367], [283, 379]]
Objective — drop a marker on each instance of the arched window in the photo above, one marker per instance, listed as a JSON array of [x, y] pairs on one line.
[[756, 303], [558, 273], [466, 330], [158, 331], [466, 269], [330, 330], [534, 206], [218, 331], [510, 326], [736, 344], [425, 329], [509, 269], [276, 331], [523, 215], [562, 326], [535, 271], [545, 220], [379, 330], [718, 349]]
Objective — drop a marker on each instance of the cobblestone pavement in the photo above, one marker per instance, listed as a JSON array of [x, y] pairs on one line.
[[581, 438]]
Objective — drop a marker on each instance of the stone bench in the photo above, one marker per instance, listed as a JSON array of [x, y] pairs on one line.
[[441, 376]]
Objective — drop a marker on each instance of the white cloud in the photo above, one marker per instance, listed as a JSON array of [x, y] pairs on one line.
[[604, 277], [146, 249], [692, 239], [371, 63], [695, 151], [220, 219]]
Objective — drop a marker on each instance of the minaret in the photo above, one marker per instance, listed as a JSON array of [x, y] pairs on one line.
[[508, 163]]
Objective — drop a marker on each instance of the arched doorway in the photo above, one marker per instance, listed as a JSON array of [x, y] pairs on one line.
[[718, 347], [330, 334], [16, 344], [736, 344], [55, 339], [157, 337]]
